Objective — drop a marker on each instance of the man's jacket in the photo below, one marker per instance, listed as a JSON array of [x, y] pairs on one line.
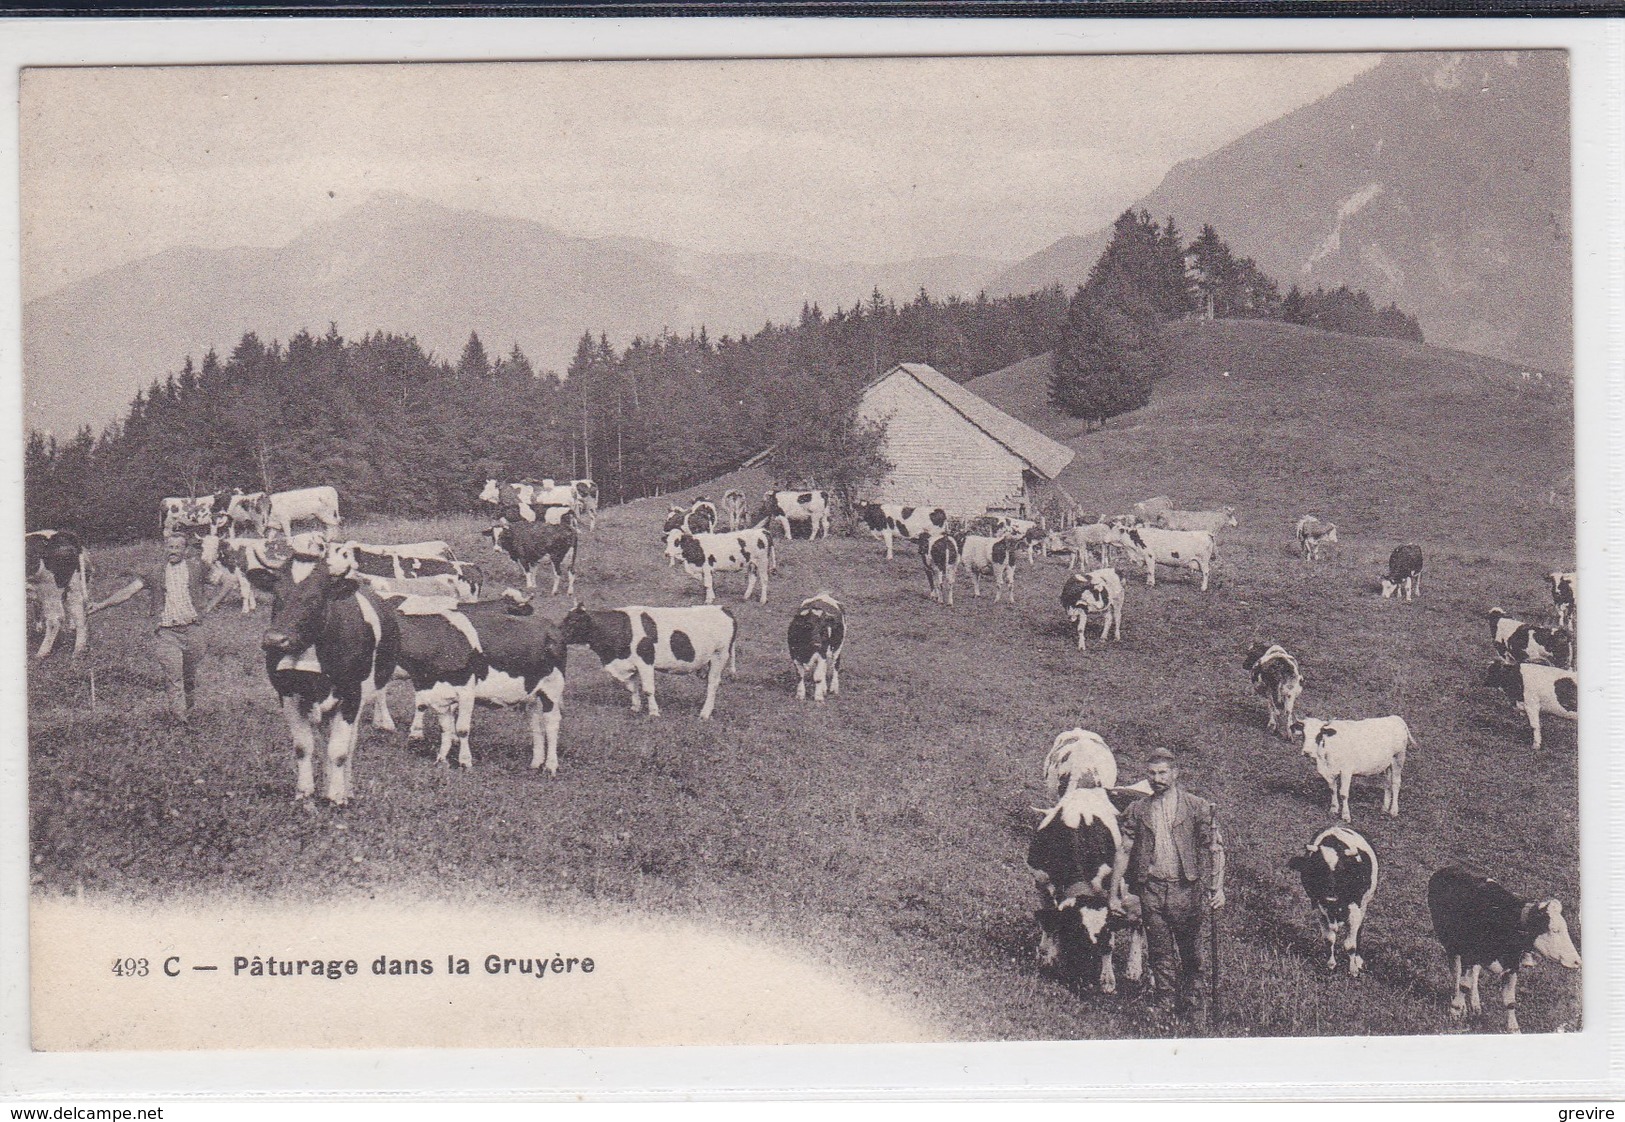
[[1193, 834]]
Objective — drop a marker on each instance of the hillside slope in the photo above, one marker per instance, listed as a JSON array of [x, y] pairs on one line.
[[1391, 440], [1440, 181]]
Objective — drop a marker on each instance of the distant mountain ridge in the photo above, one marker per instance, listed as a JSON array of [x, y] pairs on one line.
[[409, 266], [1437, 181]]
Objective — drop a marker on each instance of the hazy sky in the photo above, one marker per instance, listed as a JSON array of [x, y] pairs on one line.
[[862, 160]]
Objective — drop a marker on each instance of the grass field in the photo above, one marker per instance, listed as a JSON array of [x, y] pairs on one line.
[[888, 829]]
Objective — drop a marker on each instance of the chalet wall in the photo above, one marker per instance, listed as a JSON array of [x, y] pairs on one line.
[[939, 458]]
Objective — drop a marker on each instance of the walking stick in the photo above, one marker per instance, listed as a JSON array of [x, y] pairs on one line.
[[1213, 919]]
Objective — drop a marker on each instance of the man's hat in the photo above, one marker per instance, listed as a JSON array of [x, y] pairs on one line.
[[1162, 754]]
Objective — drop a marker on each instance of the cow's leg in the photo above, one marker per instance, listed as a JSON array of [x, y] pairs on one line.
[[801, 682], [381, 716], [1344, 782], [570, 584], [1083, 630], [445, 706], [1531, 706], [1117, 620], [1150, 571], [557, 576], [975, 584], [835, 675], [1351, 942], [341, 745], [1458, 994], [1509, 1000], [50, 602], [710, 585], [1473, 1002], [464, 700], [750, 580], [546, 714], [1108, 971], [820, 674], [646, 678], [1394, 774], [1203, 569], [76, 612], [712, 681], [245, 590], [420, 705], [1328, 928], [765, 572], [1332, 783], [298, 715], [948, 583]]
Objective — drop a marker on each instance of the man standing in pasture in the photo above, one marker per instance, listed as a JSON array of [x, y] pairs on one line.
[[176, 603], [1172, 856]]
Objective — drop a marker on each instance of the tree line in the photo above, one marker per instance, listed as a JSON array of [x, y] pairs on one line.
[[1109, 350]]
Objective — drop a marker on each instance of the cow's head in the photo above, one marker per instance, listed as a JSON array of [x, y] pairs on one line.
[[1545, 921], [303, 588], [576, 628], [1505, 677], [674, 519], [1255, 655], [1313, 731], [1229, 513]]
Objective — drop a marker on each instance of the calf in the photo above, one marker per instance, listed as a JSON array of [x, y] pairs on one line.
[[734, 509], [1562, 586], [1277, 680], [1071, 856], [704, 555], [58, 567], [634, 642], [1098, 591], [1516, 641], [1193, 549], [497, 652], [1338, 869], [1314, 535], [1210, 520], [1404, 577], [1536, 690], [811, 507], [531, 543], [1341, 750], [940, 555], [1079, 758], [817, 634], [240, 557], [884, 521], [1481, 925], [991, 557], [330, 647], [1083, 541]]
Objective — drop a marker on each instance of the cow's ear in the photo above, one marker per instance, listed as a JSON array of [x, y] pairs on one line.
[[1325, 731]]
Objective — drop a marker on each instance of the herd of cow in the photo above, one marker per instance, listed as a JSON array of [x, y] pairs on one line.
[[348, 617]]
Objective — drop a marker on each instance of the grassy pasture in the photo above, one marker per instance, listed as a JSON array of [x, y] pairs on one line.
[[888, 828]]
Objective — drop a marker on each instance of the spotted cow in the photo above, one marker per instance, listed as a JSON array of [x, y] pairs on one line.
[[634, 642], [58, 567], [817, 635], [887, 521], [1338, 869], [1277, 679], [704, 555], [1098, 592]]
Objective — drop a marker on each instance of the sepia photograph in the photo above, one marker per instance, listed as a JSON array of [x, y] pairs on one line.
[[802, 551]]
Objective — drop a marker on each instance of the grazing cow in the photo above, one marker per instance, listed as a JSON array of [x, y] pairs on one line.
[[1277, 680], [531, 543], [1338, 869], [309, 504], [1537, 689], [1516, 641], [1083, 541], [58, 580], [1210, 520], [330, 647], [940, 553], [1314, 535], [247, 513], [498, 652], [1071, 855], [634, 642], [990, 557], [817, 634], [1562, 586], [734, 508], [1404, 577], [704, 555], [1098, 591], [1148, 510], [1078, 758], [885, 521], [811, 507], [1481, 925], [188, 515], [1341, 750], [586, 501], [1153, 546]]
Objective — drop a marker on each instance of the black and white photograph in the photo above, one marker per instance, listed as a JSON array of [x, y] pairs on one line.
[[804, 551]]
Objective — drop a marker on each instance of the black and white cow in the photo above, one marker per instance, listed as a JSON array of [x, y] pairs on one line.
[[239, 557], [887, 521], [1185, 549], [398, 568], [817, 635], [531, 543], [247, 513], [1562, 587], [586, 504], [1071, 856], [511, 500], [1079, 758], [330, 647], [790, 507], [1097, 592], [940, 554], [704, 555], [1482, 925], [734, 509], [189, 514], [1404, 579], [993, 557], [1516, 641], [1276, 679], [1338, 869], [634, 642], [58, 581], [1537, 690], [495, 652]]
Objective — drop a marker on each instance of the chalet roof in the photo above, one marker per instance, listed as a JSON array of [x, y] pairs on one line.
[[1044, 455]]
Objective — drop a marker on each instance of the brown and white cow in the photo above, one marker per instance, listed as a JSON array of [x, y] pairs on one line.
[[330, 647], [1210, 520], [734, 508], [1314, 535], [634, 642]]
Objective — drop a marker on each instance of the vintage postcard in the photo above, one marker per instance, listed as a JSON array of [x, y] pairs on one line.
[[962, 548]]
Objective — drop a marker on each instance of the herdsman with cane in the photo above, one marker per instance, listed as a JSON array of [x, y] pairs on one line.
[[1172, 857]]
